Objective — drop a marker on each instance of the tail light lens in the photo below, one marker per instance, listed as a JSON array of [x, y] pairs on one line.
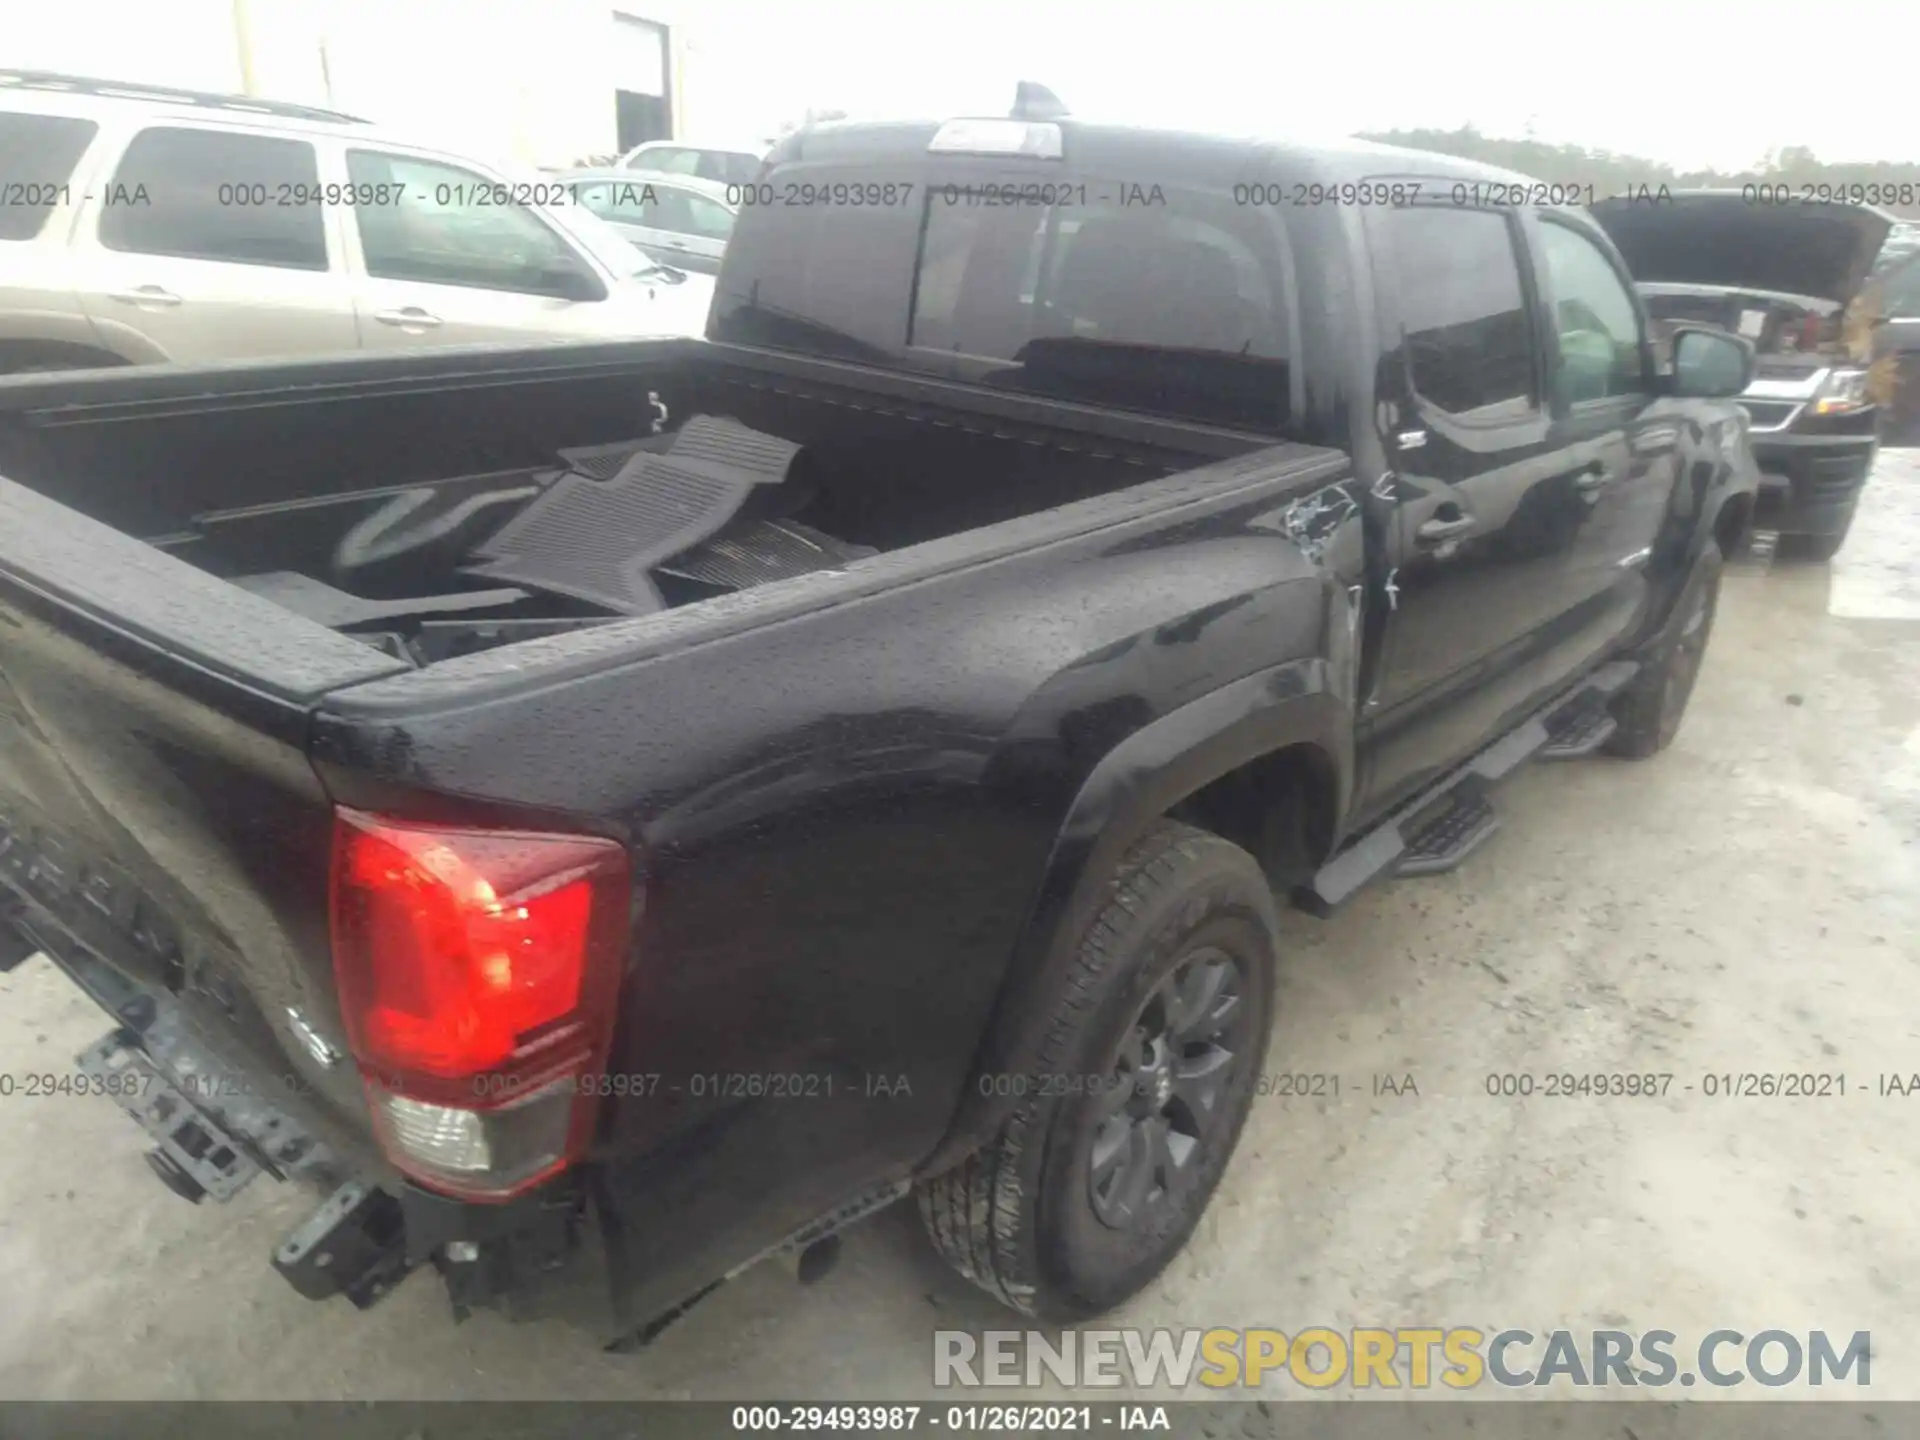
[[479, 972]]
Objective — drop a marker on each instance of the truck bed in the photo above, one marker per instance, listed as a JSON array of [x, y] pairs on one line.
[[392, 528], [913, 724]]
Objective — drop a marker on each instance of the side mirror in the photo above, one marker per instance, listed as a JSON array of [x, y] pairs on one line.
[[1710, 364], [662, 275], [565, 278]]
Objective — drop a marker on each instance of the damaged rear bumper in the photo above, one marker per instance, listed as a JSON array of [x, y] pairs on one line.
[[214, 1128], [564, 1252]]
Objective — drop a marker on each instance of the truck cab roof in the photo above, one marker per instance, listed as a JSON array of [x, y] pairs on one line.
[[1153, 270], [1129, 148]]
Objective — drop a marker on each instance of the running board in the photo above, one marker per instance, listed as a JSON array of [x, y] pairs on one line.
[[1463, 822], [1579, 728], [1438, 828]]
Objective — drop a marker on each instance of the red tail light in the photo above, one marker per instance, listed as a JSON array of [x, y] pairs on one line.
[[479, 972]]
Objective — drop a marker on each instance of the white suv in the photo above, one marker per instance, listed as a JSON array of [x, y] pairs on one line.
[[142, 224], [702, 162]]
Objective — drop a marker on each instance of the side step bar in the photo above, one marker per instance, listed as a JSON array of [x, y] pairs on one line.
[[1441, 826]]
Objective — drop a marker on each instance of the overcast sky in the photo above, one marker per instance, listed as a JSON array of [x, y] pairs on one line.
[[1691, 82]]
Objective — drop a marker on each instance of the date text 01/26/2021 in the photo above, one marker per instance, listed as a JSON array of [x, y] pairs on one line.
[[949, 1419], [1714, 1085]]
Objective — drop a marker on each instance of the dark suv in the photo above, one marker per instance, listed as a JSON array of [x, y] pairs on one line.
[[1782, 276]]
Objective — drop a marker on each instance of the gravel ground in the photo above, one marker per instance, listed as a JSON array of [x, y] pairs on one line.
[[1749, 901]]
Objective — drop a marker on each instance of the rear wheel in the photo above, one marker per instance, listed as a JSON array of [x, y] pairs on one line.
[[1144, 1082], [1650, 708]]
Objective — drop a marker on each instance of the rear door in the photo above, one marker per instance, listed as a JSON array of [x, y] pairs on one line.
[[212, 245], [1490, 499], [39, 157]]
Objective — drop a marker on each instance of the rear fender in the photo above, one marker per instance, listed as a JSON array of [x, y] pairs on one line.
[[1135, 784]]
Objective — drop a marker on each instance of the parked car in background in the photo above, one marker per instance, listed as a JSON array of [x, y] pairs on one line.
[[1895, 291], [146, 224], [1902, 242], [677, 220], [1783, 277], [703, 162]]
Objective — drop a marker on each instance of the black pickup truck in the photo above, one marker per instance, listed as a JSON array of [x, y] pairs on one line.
[[606, 814]]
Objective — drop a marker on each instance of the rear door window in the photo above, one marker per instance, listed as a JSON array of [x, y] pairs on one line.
[[217, 195], [1466, 331], [38, 154]]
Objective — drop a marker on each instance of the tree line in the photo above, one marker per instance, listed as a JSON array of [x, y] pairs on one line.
[[1613, 174]]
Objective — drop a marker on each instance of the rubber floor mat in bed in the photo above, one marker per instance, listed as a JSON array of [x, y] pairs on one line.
[[597, 540], [759, 552]]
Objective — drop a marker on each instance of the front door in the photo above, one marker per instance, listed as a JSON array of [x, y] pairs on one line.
[[1601, 392], [445, 258]]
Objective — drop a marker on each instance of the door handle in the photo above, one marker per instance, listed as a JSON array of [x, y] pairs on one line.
[[145, 295], [1438, 531], [410, 315], [1595, 478]]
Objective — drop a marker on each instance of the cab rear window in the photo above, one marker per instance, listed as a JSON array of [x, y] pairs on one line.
[[1155, 298], [1152, 298], [37, 157]]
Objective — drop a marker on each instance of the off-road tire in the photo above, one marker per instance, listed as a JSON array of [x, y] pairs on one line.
[[1648, 711], [1017, 1217]]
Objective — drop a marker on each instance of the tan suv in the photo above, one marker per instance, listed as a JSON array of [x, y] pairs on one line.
[[142, 224]]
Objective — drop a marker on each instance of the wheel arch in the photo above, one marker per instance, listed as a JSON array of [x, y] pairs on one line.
[[1235, 762], [1732, 523]]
